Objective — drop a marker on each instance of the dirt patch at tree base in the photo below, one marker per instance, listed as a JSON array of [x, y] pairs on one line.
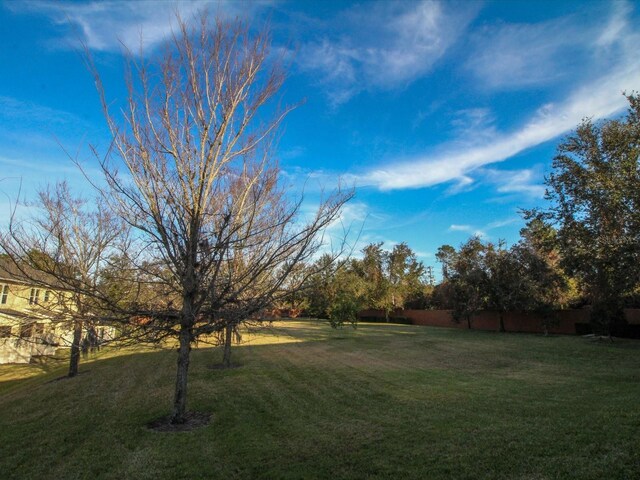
[[192, 421]]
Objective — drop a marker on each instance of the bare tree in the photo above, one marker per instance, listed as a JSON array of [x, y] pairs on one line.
[[201, 188], [62, 248]]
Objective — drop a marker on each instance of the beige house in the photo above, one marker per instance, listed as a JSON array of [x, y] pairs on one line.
[[32, 319]]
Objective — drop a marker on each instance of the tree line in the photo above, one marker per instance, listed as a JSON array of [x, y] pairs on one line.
[[581, 248], [381, 279]]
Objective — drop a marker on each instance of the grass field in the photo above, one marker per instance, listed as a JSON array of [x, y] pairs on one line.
[[384, 401]]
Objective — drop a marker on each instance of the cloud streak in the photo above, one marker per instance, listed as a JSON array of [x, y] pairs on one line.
[[388, 45], [110, 24], [605, 47], [460, 228], [527, 182], [522, 55], [599, 99], [482, 232]]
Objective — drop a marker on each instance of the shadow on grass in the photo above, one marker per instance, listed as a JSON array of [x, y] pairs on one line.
[[11, 374], [192, 421], [279, 333], [219, 366]]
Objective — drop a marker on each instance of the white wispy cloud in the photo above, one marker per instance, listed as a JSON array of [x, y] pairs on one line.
[[617, 25], [528, 181], [110, 24], [460, 228], [386, 45], [358, 225], [37, 144], [533, 50], [474, 124], [349, 222], [597, 99], [13, 109], [502, 223], [521, 55], [510, 55], [467, 229], [484, 230], [37, 134]]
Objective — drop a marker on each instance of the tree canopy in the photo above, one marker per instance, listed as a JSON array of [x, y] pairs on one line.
[[594, 190]]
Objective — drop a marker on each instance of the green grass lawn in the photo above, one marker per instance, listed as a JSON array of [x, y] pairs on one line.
[[383, 401]]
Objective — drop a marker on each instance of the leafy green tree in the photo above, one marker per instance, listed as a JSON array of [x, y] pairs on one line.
[[484, 276], [373, 269], [546, 287], [405, 275], [349, 290], [319, 287], [381, 279], [392, 278], [595, 205], [465, 274], [506, 281], [447, 256]]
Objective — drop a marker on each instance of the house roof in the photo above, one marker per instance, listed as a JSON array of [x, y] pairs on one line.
[[14, 313], [12, 271], [18, 316]]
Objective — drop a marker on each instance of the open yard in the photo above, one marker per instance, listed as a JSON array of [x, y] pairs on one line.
[[383, 401]]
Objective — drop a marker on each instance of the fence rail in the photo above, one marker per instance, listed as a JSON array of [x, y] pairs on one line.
[[567, 322]]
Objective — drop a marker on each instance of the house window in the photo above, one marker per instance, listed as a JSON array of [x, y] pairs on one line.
[[5, 332], [39, 329], [34, 296], [4, 293], [26, 330], [47, 294]]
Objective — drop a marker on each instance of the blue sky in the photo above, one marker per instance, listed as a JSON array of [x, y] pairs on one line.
[[445, 115]]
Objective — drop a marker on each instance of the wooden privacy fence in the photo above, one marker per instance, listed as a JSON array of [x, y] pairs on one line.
[[568, 322]]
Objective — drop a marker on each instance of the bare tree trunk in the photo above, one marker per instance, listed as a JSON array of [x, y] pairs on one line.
[[469, 322], [501, 327], [74, 359], [226, 357], [180, 398]]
